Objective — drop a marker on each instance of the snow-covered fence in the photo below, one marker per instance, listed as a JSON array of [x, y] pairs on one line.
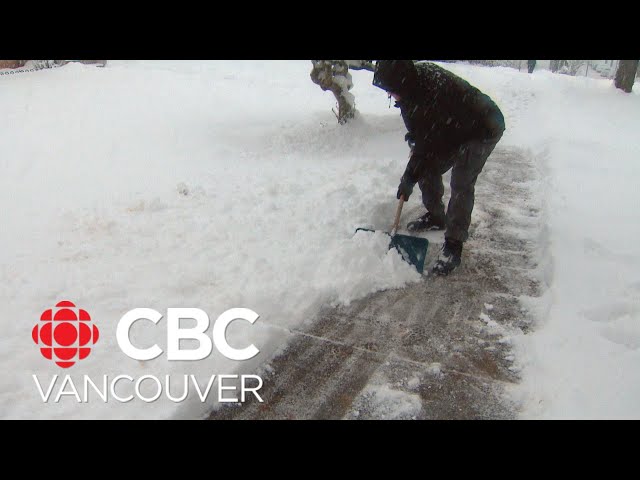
[[517, 64], [12, 63], [22, 66]]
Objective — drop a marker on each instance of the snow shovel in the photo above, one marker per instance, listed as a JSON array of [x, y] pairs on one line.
[[412, 249]]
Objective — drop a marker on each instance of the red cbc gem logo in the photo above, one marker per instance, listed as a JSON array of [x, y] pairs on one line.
[[66, 334]]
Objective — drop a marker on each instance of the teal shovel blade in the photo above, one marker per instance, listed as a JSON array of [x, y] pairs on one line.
[[412, 249]]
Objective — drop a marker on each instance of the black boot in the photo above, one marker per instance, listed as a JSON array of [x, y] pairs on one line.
[[425, 223], [449, 258]]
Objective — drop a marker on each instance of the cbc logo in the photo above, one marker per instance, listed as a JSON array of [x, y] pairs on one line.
[[65, 333]]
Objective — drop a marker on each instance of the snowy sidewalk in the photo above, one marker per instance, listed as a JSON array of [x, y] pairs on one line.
[[439, 349]]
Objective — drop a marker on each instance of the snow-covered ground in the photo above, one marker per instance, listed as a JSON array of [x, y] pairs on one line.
[[583, 359], [229, 184]]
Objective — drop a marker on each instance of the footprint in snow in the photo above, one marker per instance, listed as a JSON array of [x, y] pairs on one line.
[[622, 323]]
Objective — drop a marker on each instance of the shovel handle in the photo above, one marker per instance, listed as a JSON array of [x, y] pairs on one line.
[[396, 222]]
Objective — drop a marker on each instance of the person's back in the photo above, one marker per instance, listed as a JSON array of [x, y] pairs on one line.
[[463, 110], [439, 107]]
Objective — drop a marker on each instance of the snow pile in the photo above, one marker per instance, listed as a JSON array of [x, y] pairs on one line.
[[582, 359], [385, 403]]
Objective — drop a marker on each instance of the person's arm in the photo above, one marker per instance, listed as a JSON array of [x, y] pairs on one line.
[[421, 158]]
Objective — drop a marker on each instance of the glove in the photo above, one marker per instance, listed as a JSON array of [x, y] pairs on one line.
[[405, 188], [410, 140]]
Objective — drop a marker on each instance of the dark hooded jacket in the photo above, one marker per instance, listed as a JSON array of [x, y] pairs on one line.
[[440, 110]]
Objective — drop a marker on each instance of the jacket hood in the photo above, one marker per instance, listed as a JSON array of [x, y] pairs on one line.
[[396, 76]]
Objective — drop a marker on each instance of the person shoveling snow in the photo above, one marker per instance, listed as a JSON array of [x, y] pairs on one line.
[[451, 125]]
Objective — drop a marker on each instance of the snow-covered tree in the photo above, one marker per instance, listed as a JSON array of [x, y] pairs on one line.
[[625, 74], [334, 76], [361, 65]]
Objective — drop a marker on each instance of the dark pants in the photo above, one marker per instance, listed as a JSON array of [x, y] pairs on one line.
[[466, 165]]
